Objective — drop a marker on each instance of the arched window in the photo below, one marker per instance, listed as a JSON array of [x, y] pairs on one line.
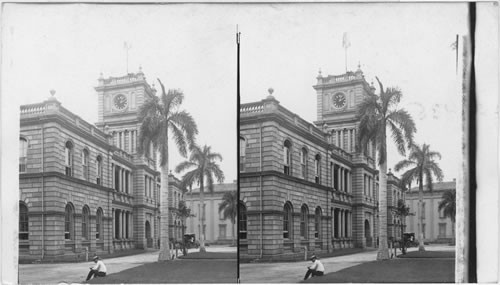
[[287, 157], [242, 221], [23, 222], [85, 164], [23, 152], [85, 222], [303, 162], [317, 223], [98, 224], [68, 158], [243, 147], [287, 221], [98, 170], [304, 222], [317, 168], [68, 222]]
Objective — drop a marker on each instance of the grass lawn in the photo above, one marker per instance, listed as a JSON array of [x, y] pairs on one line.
[[210, 255], [394, 271], [176, 271], [429, 254]]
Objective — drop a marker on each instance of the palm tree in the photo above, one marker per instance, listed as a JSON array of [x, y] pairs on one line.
[[421, 161], [203, 169], [378, 114], [158, 116], [229, 208], [449, 206]]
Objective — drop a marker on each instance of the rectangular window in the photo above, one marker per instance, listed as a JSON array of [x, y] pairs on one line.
[[317, 170], [442, 230], [222, 231], [441, 213], [221, 214]]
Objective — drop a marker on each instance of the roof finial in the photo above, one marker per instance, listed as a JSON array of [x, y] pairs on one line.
[[140, 69], [52, 93], [270, 90]]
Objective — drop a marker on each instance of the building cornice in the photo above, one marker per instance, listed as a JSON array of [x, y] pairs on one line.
[[68, 178]]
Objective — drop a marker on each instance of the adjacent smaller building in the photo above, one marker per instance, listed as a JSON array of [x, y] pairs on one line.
[[437, 227], [216, 229]]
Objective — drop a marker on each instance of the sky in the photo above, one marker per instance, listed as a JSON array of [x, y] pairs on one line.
[[192, 47]]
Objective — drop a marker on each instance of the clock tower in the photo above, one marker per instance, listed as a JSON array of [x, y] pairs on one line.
[[119, 99], [338, 97]]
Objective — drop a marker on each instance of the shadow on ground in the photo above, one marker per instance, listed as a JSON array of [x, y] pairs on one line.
[[428, 254], [210, 255], [406, 270], [176, 271]]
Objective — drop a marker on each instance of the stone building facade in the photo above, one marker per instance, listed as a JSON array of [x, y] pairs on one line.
[[217, 230], [437, 227], [308, 186], [84, 189]]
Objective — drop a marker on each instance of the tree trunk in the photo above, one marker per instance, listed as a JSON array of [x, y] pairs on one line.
[[383, 251], [164, 238], [184, 247], [234, 240], [202, 216], [421, 213]]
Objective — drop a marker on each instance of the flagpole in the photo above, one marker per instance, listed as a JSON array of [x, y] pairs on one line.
[[238, 34], [345, 53]]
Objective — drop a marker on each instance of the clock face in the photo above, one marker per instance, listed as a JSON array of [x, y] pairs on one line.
[[120, 101], [339, 100]]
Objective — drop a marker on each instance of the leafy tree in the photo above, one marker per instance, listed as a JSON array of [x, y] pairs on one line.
[[202, 162], [422, 166], [183, 212], [378, 115], [229, 209], [160, 117], [449, 206], [402, 211]]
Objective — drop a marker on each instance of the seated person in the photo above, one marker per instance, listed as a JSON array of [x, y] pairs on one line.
[[316, 269], [99, 270]]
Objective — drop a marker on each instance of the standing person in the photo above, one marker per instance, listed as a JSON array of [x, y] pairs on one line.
[[99, 270], [316, 269]]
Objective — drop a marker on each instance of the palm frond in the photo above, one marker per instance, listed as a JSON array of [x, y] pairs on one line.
[[403, 164]]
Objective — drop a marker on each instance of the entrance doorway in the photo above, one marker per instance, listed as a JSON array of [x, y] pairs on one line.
[[149, 239], [368, 237]]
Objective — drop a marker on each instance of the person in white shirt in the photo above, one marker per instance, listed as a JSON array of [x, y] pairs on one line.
[[316, 269], [99, 270]]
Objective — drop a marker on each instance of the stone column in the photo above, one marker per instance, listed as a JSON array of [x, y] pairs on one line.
[[129, 141], [340, 223], [112, 223], [354, 139], [349, 147]]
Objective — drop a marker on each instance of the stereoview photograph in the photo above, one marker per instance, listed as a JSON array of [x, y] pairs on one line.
[[350, 142], [127, 142]]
